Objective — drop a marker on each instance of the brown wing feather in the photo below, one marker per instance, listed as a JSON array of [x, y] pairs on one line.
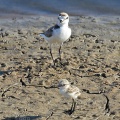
[[72, 89], [49, 32]]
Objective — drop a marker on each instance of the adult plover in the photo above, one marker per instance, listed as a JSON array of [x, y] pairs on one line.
[[69, 90], [58, 33]]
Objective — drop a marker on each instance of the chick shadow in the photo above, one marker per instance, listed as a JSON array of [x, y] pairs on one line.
[[23, 118]]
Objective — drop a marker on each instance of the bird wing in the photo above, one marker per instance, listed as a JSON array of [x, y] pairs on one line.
[[72, 89], [74, 92], [49, 32]]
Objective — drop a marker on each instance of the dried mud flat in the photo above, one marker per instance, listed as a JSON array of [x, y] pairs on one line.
[[28, 79]]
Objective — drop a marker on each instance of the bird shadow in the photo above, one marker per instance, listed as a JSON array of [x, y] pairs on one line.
[[67, 112], [23, 118]]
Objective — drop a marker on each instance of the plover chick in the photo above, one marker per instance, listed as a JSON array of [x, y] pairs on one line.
[[71, 91], [58, 33]]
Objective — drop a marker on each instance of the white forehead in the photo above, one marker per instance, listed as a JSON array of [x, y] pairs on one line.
[[63, 14], [64, 81]]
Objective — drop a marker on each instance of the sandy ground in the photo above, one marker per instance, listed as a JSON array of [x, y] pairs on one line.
[[90, 61]]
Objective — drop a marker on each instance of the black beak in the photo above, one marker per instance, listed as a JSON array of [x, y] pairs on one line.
[[61, 21], [61, 85]]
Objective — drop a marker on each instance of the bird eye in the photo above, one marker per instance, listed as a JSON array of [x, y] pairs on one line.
[[67, 18]]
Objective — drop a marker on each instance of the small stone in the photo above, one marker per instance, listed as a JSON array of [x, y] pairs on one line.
[[78, 117], [3, 65], [23, 52], [20, 32], [94, 115], [104, 75], [43, 48], [98, 75], [99, 41], [112, 113], [114, 83], [82, 66], [98, 47], [75, 48]]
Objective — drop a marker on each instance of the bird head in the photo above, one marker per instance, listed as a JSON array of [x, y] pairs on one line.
[[63, 18], [63, 83]]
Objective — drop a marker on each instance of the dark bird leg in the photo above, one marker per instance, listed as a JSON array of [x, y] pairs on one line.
[[60, 51], [72, 107], [23, 83], [52, 55]]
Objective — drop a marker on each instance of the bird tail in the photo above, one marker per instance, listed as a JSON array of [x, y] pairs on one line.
[[82, 96], [43, 36]]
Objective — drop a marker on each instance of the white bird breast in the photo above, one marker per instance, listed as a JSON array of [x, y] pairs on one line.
[[60, 35]]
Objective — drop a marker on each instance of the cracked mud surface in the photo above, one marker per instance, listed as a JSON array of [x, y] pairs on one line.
[[28, 78]]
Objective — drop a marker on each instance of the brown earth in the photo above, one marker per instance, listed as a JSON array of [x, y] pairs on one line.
[[90, 61]]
